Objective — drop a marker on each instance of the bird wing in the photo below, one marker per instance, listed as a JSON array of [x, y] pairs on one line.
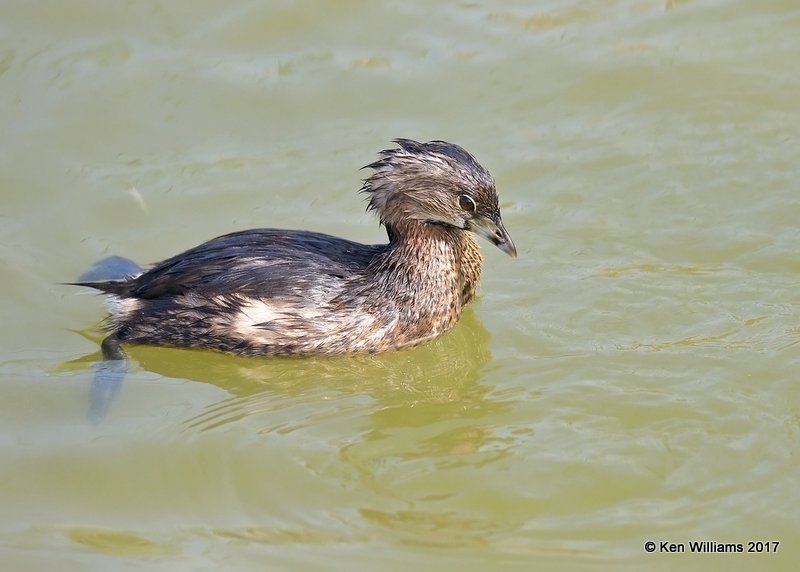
[[258, 262]]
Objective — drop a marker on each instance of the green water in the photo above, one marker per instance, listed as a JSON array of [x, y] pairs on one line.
[[632, 376]]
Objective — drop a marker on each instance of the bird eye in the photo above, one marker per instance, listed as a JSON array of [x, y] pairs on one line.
[[466, 203]]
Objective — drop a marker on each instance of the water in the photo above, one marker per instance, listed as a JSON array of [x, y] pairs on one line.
[[630, 377]]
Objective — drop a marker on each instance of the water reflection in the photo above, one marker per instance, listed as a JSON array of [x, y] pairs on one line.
[[362, 435], [439, 380], [435, 382]]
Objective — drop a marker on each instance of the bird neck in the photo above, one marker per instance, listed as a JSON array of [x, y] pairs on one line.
[[436, 256]]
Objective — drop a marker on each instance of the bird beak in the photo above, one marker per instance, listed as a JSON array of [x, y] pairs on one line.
[[492, 229]]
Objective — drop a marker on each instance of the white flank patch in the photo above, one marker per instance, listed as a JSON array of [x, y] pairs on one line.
[[315, 327], [255, 312], [248, 322]]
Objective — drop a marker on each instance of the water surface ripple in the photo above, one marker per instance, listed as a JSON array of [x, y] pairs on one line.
[[631, 377]]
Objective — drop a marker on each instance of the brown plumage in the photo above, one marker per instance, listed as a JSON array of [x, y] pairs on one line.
[[292, 292]]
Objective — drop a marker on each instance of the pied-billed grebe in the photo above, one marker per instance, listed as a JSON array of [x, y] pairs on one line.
[[295, 292]]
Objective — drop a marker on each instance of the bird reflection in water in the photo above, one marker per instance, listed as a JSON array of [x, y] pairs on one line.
[[431, 383]]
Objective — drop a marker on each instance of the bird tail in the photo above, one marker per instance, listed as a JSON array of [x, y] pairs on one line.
[[107, 286]]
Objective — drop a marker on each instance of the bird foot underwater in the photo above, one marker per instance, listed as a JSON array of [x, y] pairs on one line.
[[109, 373]]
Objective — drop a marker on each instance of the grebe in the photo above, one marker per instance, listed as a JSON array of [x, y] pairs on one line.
[[296, 292]]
